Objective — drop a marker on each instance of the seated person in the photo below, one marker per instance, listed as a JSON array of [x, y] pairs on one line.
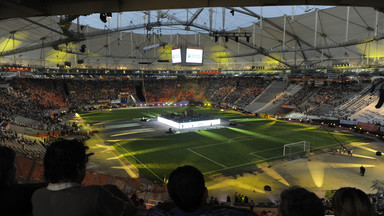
[[64, 170], [15, 199], [186, 187], [352, 202], [13, 196], [297, 201]]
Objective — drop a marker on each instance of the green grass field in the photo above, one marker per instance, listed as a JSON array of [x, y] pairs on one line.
[[253, 141]]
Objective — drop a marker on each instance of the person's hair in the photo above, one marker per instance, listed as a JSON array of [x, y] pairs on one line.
[[186, 187], [7, 160], [349, 201], [297, 201], [63, 160]]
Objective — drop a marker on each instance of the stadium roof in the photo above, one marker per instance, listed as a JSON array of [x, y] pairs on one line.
[[29, 8], [341, 37]]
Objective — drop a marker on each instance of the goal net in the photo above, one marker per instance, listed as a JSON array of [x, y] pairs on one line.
[[296, 148]]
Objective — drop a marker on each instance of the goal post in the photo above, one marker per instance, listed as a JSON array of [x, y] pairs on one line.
[[296, 148]]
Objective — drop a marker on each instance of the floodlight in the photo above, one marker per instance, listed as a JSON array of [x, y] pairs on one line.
[[82, 48], [103, 17]]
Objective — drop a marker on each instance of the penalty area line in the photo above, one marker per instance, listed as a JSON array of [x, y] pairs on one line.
[[140, 162], [221, 143], [240, 165], [253, 154], [206, 158]]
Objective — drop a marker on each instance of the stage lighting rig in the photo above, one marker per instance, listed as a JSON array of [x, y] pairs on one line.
[[231, 35]]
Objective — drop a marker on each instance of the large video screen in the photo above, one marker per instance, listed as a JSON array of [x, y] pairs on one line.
[[176, 55], [194, 55]]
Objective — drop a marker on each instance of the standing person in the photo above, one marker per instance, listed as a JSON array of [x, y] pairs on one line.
[[362, 170], [297, 201], [15, 199], [64, 170], [352, 202]]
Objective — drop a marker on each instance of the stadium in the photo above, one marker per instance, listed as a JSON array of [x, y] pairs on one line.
[[258, 96]]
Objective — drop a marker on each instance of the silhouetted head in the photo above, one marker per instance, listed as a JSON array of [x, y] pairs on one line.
[[7, 166], [186, 187], [349, 201], [65, 161], [297, 201]]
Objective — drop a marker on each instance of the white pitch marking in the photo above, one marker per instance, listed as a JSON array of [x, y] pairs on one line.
[[140, 162], [252, 153], [207, 158], [245, 164]]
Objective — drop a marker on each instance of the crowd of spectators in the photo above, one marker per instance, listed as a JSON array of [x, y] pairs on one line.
[[42, 100], [39, 99], [36, 98], [235, 91], [93, 92], [297, 99], [19, 103], [329, 97], [245, 90], [27, 147]]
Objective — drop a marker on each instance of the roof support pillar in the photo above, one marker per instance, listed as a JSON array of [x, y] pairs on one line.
[[254, 34], [210, 19], [223, 14], [347, 25], [316, 17], [285, 26], [377, 23]]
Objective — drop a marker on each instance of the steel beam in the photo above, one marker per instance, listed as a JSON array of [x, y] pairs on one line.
[[194, 17], [251, 13]]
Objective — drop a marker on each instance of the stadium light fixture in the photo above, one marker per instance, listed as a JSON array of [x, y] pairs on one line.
[[82, 48], [103, 17]]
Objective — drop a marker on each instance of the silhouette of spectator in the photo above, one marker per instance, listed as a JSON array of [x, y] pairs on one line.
[[15, 199], [142, 204], [297, 201], [64, 169], [362, 170], [228, 199], [352, 202], [186, 187]]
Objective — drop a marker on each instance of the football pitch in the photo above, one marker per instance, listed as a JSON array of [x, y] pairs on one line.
[[253, 141]]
